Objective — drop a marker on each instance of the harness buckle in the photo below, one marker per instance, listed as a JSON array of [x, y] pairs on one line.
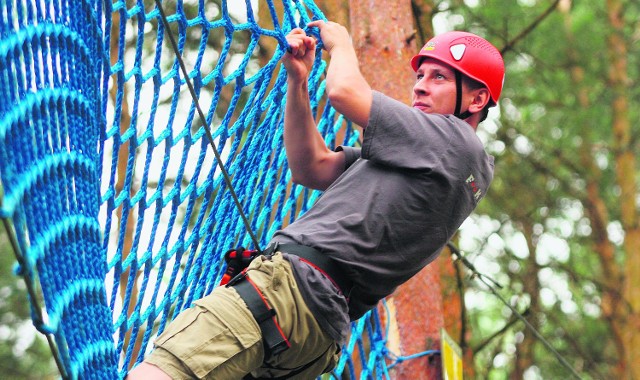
[[237, 278], [271, 249]]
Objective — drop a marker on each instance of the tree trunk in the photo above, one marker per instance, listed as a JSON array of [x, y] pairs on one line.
[[628, 319], [383, 36], [384, 39], [423, 12], [336, 11]]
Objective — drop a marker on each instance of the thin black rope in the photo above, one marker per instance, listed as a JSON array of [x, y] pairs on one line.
[[36, 309], [203, 120], [490, 283]]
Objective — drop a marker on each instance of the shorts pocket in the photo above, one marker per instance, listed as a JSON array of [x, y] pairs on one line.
[[182, 322], [201, 341]]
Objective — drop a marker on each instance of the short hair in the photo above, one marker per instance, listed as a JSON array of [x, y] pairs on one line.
[[473, 84]]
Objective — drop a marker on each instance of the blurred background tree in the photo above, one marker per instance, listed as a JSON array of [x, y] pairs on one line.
[[24, 354]]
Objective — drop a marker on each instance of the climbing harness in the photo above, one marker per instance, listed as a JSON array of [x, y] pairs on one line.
[[239, 259], [326, 265], [274, 339]]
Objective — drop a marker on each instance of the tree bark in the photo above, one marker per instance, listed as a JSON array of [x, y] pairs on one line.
[[384, 39], [383, 36], [628, 319]]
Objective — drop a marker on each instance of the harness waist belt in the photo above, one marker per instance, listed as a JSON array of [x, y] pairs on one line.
[[326, 265]]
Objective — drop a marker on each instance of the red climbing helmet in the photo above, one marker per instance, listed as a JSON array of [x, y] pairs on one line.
[[472, 55]]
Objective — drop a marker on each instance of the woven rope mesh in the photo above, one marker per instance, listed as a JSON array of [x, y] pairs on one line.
[[110, 183], [51, 67]]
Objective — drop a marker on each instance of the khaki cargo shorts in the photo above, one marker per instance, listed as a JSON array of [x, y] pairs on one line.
[[218, 338]]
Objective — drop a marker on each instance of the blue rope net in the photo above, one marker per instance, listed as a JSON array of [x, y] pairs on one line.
[[50, 116], [111, 187]]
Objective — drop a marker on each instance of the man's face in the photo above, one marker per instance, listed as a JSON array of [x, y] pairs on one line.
[[435, 88]]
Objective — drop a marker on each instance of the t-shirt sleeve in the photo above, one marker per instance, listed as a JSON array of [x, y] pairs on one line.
[[351, 154], [403, 137]]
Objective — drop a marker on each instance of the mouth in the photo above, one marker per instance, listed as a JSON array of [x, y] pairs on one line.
[[421, 106]]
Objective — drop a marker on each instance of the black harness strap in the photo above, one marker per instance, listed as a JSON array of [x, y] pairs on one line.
[[274, 339], [323, 263], [457, 113]]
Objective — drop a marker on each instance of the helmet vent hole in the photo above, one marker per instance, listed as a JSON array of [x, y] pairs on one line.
[[481, 44]]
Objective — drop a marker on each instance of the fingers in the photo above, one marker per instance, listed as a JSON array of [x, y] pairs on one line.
[[299, 43], [320, 24], [332, 34], [317, 23], [297, 31], [298, 47], [310, 43]]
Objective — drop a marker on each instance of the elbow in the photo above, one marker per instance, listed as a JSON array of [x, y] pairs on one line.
[[318, 173], [352, 101], [298, 179], [338, 95], [308, 182]]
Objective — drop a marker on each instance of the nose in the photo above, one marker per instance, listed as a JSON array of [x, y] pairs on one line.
[[420, 88]]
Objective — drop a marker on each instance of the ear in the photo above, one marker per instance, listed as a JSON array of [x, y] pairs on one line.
[[480, 99]]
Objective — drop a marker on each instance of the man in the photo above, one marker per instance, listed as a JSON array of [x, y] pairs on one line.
[[386, 212]]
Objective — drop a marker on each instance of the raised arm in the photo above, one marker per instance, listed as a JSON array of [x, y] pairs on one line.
[[312, 164], [348, 91]]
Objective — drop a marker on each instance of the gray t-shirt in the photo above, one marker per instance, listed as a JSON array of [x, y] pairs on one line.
[[417, 177]]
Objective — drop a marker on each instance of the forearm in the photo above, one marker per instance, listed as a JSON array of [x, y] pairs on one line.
[[343, 74], [312, 164], [348, 91]]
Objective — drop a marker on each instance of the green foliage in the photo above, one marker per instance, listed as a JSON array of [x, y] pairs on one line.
[[551, 138], [24, 354]]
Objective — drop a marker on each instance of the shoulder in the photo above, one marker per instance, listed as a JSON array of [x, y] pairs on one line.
[[386, 109]]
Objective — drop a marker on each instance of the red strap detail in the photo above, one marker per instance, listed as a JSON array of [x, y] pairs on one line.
[[321, 271], [275, 321]]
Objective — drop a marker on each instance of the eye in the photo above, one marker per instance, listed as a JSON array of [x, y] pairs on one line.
[[440, 76], [419, 76]]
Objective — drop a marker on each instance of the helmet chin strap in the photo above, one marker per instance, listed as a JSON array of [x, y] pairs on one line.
[[457, 113]]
